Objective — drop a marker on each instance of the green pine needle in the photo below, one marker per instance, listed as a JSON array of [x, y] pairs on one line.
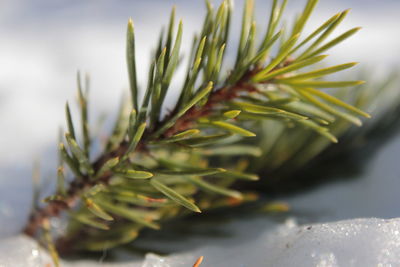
[[159, 162]]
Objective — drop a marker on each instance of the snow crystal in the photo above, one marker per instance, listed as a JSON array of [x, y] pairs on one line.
[[152, 260], [359, 242]]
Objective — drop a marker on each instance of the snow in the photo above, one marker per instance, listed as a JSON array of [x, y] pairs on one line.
[[357, 242], [21, 251]]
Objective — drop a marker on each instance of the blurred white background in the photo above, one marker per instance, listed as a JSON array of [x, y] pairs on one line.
[[44, 43]]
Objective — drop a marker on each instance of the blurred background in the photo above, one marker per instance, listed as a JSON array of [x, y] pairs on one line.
[[43, 44]]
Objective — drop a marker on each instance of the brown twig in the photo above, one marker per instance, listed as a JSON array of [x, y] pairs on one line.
[[198, 261], [55, 207]]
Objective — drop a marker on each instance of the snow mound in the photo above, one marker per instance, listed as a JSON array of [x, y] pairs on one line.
[[21, 251], [359, 242]]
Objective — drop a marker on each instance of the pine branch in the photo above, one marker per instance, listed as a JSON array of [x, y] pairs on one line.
[[317, 161], [154, 168]]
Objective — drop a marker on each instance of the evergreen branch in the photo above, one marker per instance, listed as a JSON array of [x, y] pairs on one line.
[[154, 167], [312, 159]]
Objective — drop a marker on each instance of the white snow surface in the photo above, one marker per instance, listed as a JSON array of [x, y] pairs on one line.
[[357, 242], [21, 251]]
